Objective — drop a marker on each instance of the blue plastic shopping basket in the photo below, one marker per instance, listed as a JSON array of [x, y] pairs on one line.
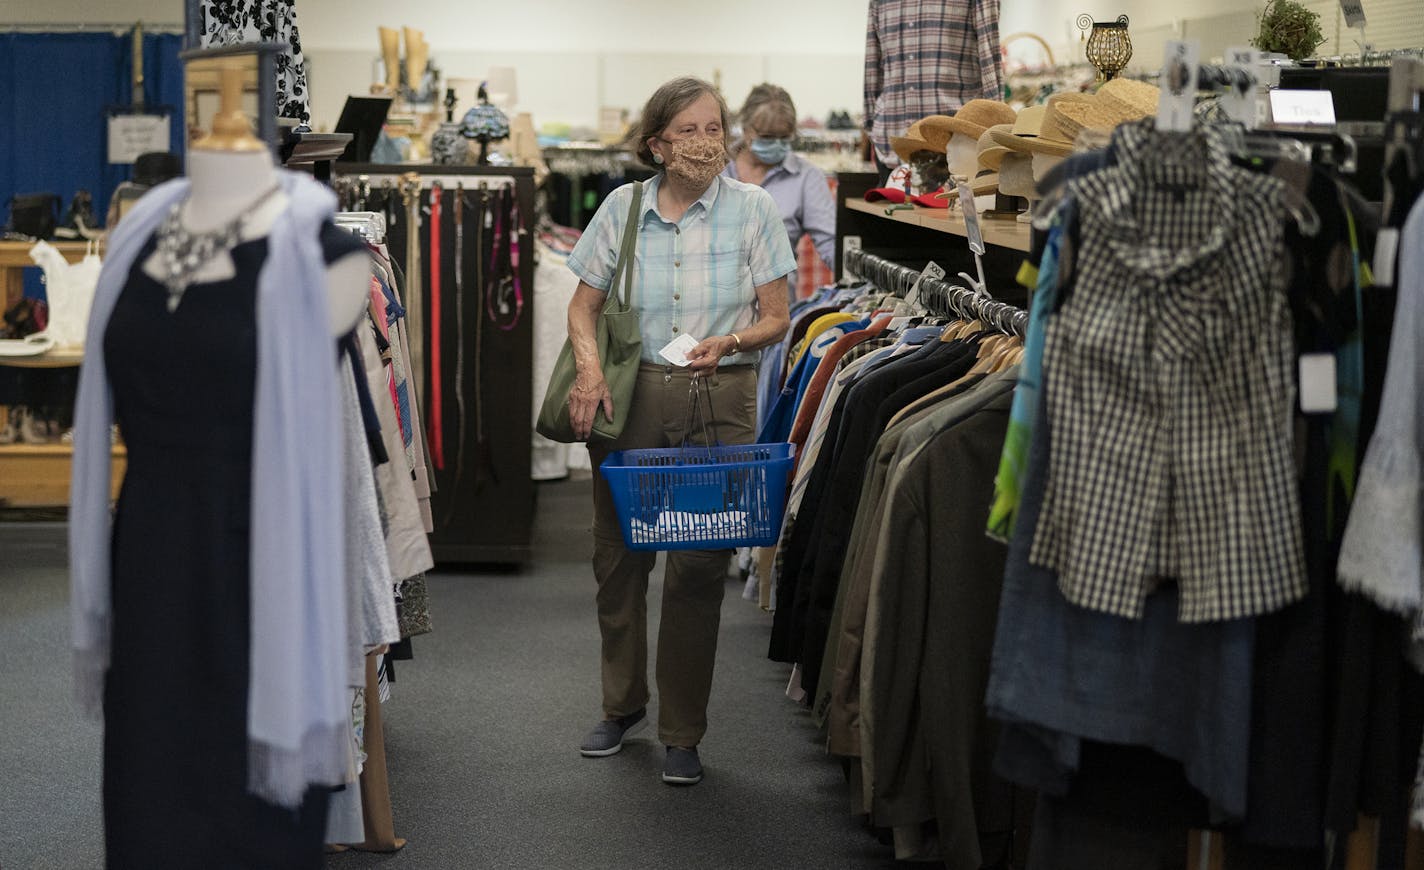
[[700, 498]]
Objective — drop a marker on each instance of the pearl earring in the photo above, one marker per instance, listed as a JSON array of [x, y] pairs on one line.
[[657, 158]]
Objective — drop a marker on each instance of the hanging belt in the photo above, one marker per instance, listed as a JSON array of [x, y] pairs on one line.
[[459, 337], [484, 467], [502, 288], [414, 295], [437, 430]]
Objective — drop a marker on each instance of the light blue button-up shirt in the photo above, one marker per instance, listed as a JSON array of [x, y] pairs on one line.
[[698, 275], [805, 202]]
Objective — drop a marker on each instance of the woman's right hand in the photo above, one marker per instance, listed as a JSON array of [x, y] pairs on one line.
[[585, 398]]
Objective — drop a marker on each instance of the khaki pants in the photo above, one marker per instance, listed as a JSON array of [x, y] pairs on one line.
[[694, 580]]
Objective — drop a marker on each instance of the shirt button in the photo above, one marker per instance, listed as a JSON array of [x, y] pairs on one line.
[[677, 296], [674, 329], [676, 263], [677, 231]]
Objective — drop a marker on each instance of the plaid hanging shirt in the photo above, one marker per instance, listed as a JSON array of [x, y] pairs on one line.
[[927, 57], [1170, 388]]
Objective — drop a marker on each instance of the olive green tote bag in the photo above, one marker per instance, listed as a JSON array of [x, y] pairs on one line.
[[620, 349]]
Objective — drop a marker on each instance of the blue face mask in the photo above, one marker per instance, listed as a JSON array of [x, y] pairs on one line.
[[771, 151]]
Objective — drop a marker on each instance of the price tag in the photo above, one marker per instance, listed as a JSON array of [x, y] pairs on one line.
[[933, 270], [970, 207], [848, 244], [1179, 86], [1240, 102], [1386, 250], [1317, 383], [132, 135], [1354, 13], [676, 351], [1302, 107]]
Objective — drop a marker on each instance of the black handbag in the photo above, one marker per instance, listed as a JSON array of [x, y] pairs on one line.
[[34, 215]]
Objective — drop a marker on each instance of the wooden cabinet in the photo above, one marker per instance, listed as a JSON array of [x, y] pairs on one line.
[[37, 475]]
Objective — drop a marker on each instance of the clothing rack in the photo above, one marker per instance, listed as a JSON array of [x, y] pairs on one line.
[[1211, 76], [938, 297], [369, 225]]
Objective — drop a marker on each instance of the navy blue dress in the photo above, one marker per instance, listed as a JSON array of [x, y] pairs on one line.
[[175, 699]]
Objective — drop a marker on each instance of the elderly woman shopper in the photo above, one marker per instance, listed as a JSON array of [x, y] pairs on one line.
[[712, 260], [763, 156]]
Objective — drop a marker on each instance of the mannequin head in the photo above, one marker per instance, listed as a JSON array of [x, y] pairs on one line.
[[1044, 163], [963, 155], [1016, 176]]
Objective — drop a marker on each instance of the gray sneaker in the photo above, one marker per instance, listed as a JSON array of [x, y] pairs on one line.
[[607, 736], [682, 766]]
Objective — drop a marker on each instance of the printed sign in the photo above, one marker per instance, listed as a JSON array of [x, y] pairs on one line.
[[132, 135]]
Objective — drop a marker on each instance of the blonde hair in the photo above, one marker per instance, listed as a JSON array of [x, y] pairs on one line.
[[768, 106]]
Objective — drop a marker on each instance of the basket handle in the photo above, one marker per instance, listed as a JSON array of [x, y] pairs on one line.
[[695, 418]]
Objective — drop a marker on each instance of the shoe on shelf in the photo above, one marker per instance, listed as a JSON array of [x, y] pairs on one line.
[[34, 429], [10, 424], [78, 221], [682, 766], [607, 736]]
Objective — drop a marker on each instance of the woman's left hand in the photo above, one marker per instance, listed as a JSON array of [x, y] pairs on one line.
[[703, 359]]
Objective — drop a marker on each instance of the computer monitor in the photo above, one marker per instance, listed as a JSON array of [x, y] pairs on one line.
[[362, 117]]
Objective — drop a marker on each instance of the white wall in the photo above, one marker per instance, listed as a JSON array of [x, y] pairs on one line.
[[1216, 23], [574, 56], [84, 11]]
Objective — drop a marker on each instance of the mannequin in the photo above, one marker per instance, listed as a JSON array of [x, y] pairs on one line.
[[1016, 178], [963, 155], [1044, 164], [230, 171]]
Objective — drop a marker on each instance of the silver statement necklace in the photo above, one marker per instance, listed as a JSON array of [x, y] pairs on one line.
[[182, 253]]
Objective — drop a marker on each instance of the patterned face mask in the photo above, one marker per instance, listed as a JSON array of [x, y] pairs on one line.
[[698, 160]]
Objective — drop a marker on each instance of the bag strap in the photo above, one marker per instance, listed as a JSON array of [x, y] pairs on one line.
[[624, 269]]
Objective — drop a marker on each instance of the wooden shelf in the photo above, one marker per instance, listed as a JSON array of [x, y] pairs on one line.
[[18, 253], [1002, 234], [55, 358], [37, 475]]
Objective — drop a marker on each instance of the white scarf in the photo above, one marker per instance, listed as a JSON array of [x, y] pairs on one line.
[[297, 717]]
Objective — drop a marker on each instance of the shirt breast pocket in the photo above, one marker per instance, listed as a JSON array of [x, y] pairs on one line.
[[726, 268]]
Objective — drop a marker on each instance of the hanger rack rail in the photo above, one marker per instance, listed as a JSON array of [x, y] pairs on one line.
[[938, 297]]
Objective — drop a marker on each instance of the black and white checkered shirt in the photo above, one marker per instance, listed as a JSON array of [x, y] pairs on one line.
[[1170, 389]]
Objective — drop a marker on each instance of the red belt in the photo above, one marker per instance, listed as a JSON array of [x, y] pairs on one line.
[[437, 439]]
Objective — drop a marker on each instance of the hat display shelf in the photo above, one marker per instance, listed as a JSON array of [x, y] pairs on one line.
[[1109, 45]]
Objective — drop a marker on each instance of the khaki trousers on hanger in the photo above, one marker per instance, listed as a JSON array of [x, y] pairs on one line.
[[694, 580]]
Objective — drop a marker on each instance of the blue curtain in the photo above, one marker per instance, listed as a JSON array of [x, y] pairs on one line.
[[58, 90]]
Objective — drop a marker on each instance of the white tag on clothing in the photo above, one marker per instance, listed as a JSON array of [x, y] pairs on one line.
[[933, 270], [1317, 383], [1179, 86], [676, 351], [1240, 101], [1386, 249]]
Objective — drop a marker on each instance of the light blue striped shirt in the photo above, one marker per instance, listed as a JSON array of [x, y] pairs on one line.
[[697, 276]]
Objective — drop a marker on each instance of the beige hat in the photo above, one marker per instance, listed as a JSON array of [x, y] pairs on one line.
[[1101, 114], [972, 119], [1137, 99], [992, 153], [1033, 133], [919, 138]]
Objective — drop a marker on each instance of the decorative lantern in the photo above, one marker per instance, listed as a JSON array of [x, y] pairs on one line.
[[1109, 46], [485, 123]]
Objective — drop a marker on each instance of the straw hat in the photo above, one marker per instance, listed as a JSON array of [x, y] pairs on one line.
[[1100, 114], [1031, 132], [918, 138], [992, 153], [972, 119], [1137, 99]]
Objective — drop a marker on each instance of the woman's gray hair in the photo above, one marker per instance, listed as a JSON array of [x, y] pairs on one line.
[[768, 106], [665, 104]]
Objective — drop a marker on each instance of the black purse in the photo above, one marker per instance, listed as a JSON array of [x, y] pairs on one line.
[[33, 215]]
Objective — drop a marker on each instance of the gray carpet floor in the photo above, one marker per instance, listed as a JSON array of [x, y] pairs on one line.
[[481, 733]]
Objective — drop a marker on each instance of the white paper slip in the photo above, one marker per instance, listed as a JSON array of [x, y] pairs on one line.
[[1317, 383], [676, 351]]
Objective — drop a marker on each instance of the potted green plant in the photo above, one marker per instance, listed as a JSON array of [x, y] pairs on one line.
[[1289, 28]]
